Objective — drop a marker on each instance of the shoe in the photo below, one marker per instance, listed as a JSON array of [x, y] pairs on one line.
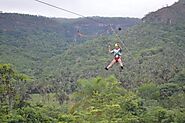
[[121, 67], [106, 68]]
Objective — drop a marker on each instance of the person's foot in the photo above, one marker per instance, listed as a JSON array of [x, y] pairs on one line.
[[121, 67], [106, 68]]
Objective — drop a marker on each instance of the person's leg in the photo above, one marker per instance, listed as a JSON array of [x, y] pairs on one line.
[[110, 65], [120, 62]]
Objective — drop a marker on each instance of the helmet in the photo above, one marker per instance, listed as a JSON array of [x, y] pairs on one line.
[[116, 45]]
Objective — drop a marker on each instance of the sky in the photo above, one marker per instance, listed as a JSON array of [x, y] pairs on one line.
[[88, 8]]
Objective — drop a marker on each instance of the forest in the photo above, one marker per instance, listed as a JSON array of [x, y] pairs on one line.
[[51, 74]]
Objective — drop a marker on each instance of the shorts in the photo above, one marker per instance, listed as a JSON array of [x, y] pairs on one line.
[[117, 58]]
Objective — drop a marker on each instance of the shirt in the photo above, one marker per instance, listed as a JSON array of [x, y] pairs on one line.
[[117, 52]]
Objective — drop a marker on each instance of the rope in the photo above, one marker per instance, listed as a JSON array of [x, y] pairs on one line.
[[118, 37]]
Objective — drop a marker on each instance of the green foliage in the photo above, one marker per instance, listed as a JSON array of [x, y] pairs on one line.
[[14, 118], [10, 95], [64, 118], [149, 91], [104, 100], [168, 89], [180, 116], [46, 99], [32, 115], [159, 115], [180, 77]]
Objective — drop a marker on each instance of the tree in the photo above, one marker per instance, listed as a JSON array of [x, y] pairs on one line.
[[10, 89], [104, 100]]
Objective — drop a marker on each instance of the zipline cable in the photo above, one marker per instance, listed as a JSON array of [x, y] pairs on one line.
[[60, 8], [48, 4]]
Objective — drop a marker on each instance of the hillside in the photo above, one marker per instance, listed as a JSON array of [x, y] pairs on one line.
[[29, 41], [169, 15]]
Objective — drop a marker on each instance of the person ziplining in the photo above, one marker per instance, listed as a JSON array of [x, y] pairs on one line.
[[117, 56]]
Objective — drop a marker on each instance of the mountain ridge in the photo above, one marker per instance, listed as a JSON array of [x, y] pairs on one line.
[[168, 15]]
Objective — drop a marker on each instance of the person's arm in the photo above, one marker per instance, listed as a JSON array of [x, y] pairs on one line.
[[110, 51]]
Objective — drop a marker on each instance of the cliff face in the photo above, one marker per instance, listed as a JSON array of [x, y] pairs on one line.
[[168, 15]]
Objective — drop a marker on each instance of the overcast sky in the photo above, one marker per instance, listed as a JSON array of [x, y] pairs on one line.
[[105, 8]]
